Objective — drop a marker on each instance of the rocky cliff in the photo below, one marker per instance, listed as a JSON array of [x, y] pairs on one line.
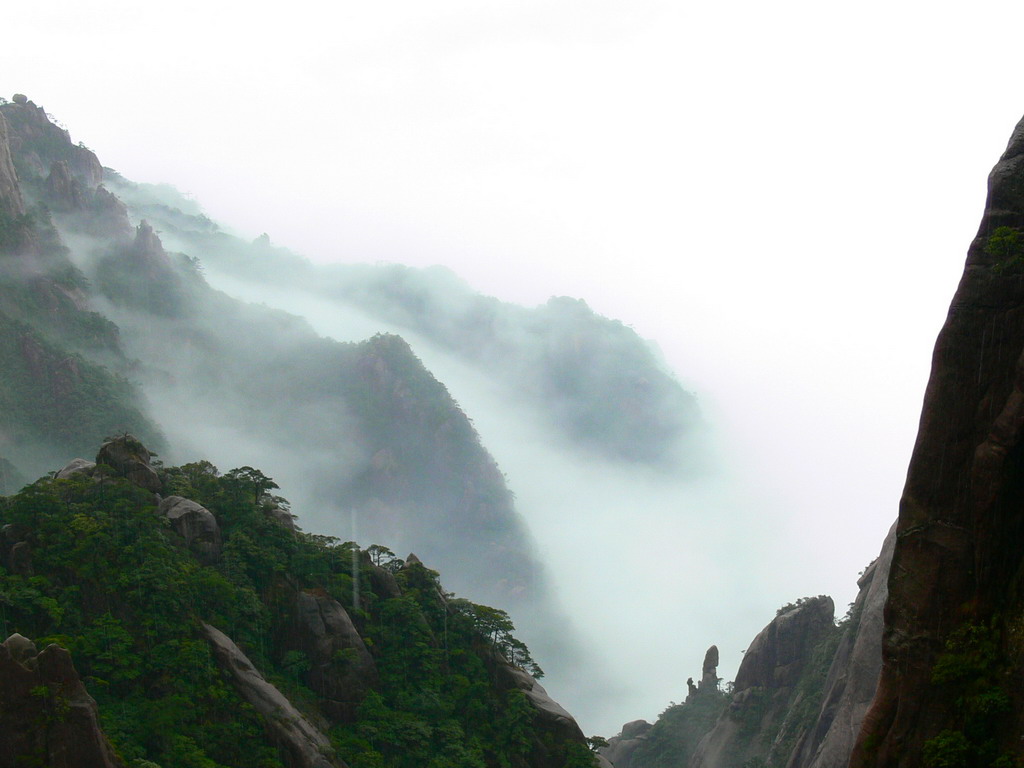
[[11, 204], [767, 693], [953, 647], [852, 680], [799, 698], [47, 718]]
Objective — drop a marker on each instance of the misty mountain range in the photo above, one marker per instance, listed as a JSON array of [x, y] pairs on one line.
[[374, 436], [113, 333]]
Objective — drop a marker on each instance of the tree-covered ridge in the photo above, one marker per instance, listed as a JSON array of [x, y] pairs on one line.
[[94, 562]]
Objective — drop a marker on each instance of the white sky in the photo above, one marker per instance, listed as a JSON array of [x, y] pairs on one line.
[[779, 194]]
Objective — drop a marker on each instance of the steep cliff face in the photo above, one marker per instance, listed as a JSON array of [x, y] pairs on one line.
[[766, 691], [853, 675], [11, 204], [953, 642], [799, 698], [37, 142]]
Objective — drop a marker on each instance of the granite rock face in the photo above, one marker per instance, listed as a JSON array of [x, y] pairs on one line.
[[957, 573], [11, 203], [765, 686], [36, 142], [63, 192], [127, 456], [46, 716], [195, 524], [341, 669], [301, 743], [853, 677], [709, 672], [76, 467], [620, 749]]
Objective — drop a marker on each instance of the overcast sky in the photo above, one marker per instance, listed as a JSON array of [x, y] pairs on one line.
[[780, 195]]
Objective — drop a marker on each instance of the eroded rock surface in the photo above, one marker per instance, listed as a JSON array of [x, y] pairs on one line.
[[341, 669], [957, 563], [127, 456], [620, 749], [195, 524], [11, 203], [853, 677], [765, 686], [302, 744], [75, 467], [46, 716]]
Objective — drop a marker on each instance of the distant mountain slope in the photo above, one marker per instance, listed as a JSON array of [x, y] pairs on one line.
[[376, 436], [63, 373], [598, 384]]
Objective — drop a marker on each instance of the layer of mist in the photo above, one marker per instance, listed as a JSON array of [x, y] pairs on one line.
[[651, 568]]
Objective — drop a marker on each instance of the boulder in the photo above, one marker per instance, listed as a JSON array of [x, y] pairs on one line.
[[195, 524], [550, 713], [620, 749], [46, 716], [128, 457], [280, 515], [76, 467], [302, 745], [382, 581], [341, 671]]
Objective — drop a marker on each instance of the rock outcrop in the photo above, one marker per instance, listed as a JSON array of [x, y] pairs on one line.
[[853, 677], [551, 725], [75, 467], [956, 581], [46, 716], [195, 524], [108, 215], [11, 203], [766, 686], [301, 743], [620, 749], [63, 192], [15, 549], [128, 457], [709, 672], [341, 670], [36, 142]]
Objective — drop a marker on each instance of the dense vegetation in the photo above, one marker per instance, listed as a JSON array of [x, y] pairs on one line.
[[111, 581], [673, 738]]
